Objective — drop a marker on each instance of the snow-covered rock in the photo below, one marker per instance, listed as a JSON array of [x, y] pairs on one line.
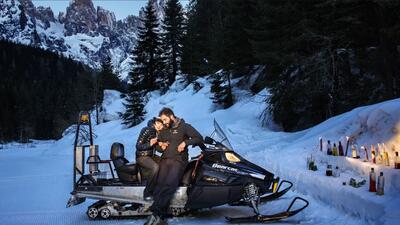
[[81, 17], [104, 36], [112, 106]]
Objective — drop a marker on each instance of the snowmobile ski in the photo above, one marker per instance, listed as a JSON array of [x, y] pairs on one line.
[[270, 218]]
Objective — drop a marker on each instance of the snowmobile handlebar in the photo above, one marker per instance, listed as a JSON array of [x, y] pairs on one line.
[[211, 141]]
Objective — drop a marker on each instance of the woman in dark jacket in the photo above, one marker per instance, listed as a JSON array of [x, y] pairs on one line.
[[145, 157]]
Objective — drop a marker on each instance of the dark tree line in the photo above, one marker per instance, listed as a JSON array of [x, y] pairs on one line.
[[156, 58], [321, 57], [41, 92]]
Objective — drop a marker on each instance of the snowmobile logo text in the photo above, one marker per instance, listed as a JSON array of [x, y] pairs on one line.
[[215, 165]]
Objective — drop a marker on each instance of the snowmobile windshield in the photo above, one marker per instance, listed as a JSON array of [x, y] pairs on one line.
[[220, 136]]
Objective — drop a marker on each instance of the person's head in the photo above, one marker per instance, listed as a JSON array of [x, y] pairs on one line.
[[158, 124], [167, 116]]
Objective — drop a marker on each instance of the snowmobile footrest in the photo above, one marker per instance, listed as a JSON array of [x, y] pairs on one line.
[[271, 218], [74, 200], [269, 197]]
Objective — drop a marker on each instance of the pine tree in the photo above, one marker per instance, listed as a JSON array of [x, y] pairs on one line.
[[108, 79], [236, 21], [147, 54], [221, 89], [197, 47], [174, 30], [22, 18], [35, 38], [134, 106]]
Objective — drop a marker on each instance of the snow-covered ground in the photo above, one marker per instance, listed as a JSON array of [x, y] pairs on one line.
[[36, 178]]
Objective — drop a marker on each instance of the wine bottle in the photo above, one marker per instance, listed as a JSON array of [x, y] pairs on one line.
[[381, 184], [335, 150], [329, 148], [329, 171], [397, 161], [385, 156], [372, 181], [354, 153], [373, 154]]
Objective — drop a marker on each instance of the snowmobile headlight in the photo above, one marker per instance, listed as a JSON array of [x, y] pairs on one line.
[[231, 157], [85, 118], [275, 186]]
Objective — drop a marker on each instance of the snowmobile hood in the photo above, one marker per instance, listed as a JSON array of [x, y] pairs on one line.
[[251, 168], [219, 160]]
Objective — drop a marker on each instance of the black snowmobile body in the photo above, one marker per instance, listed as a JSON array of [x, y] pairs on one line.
[[218, 176]]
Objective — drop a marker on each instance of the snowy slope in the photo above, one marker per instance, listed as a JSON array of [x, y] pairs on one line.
[[38, 178]]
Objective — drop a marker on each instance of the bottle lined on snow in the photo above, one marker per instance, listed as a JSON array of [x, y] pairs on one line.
[[336, 172], [386, 159], [329, 148], [335, 150], [354, 152], [379, 158], [381, 184], [365, 150], [341, 153], [311, 165], [320, 144], [397, 161], [329, 171], [379, 154], [372, 180], [373, 154]]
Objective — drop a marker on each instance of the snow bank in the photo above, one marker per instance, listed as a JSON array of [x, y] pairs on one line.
[[378, 123], [112, 105]]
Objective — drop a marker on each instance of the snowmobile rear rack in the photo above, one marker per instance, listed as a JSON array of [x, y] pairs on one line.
[[271, 218]]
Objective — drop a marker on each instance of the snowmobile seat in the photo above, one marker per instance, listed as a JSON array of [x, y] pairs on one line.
[[127, 172]]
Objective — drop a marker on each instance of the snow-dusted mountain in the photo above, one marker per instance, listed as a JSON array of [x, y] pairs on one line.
[[83, 32]]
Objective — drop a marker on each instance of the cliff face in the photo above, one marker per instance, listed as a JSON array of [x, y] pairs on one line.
[[81, 17], [83, 32]]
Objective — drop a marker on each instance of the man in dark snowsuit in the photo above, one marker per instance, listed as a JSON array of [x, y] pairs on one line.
[[145, 156], [174, 139]]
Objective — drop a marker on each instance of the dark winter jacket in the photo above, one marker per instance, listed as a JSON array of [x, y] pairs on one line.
[[175, 135], [143, 147]]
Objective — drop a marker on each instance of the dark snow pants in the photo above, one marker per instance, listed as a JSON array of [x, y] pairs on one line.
[[169, 177], [150, 164]]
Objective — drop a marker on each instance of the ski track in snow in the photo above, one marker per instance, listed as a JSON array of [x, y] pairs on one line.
[[36, 178]]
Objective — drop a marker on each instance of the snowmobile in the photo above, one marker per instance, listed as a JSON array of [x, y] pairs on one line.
[[218, 176]]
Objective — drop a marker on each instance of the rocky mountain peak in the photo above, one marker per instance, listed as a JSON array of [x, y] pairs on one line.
[[83, 32], [81, 17], [105, 18]]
